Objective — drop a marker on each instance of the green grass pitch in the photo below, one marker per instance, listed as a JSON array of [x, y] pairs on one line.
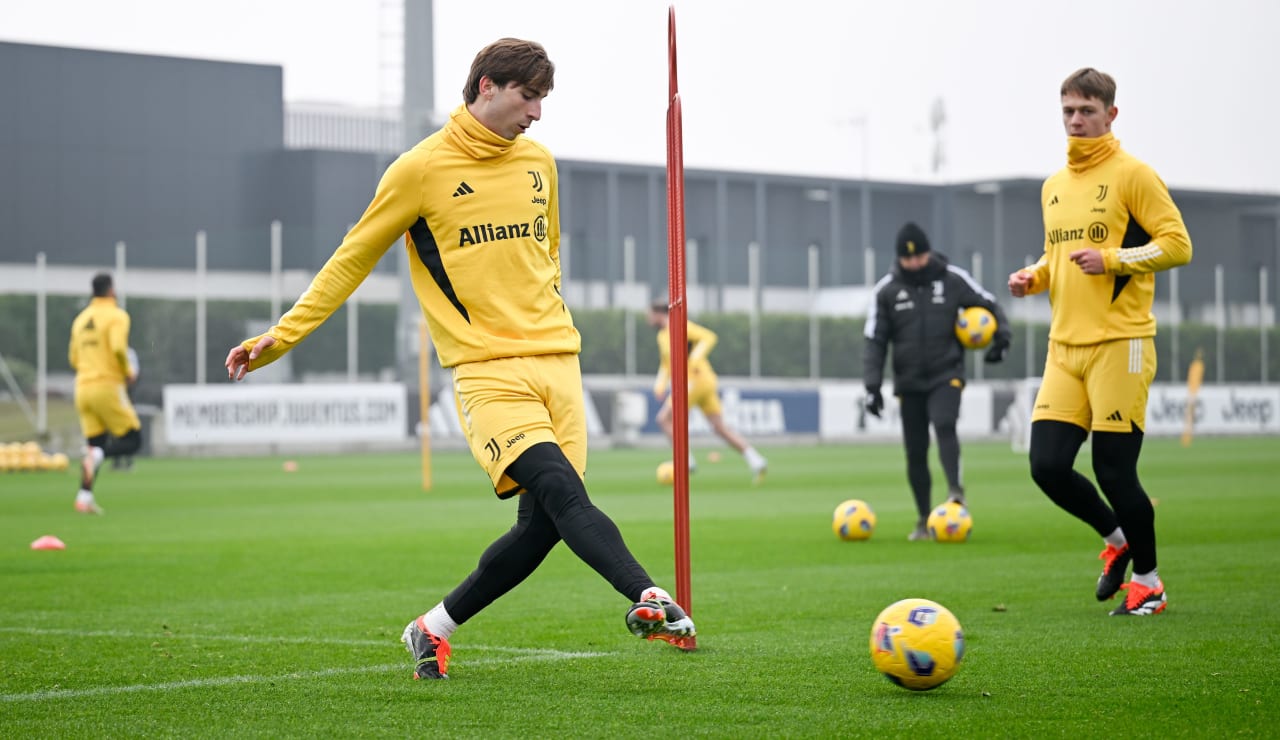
[[229, 598]]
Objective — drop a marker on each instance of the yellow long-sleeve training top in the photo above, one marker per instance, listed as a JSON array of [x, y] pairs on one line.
[[700, 340], [1107, 200], [482, 218], [99, 348]]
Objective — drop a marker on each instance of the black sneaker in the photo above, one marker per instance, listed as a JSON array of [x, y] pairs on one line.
[[430, 653], [1141, 601], [658, 619], [1115, 562]]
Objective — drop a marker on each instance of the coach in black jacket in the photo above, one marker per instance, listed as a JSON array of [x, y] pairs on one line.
[[914, 308]]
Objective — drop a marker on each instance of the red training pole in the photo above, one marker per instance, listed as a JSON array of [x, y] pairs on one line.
[[678, 315]]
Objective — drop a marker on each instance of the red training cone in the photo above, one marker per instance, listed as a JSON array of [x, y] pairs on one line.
[[48, 542]]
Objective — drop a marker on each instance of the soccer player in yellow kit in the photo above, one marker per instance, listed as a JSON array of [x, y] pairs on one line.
[[478, 201], [99, 354], [704, 386], [1110, 225]]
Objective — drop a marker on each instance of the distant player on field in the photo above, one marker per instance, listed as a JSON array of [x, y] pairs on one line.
[[704, 387], [480, 204], [99, 354], [1110, 225]]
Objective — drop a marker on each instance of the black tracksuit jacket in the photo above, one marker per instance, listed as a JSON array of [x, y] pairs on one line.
[[916, 313]]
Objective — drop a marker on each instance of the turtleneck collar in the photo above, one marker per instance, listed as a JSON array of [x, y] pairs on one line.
[[1084, 154], [474, 137]]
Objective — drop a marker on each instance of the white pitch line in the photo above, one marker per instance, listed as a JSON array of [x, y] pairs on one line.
[[54, 694], [268, 640]]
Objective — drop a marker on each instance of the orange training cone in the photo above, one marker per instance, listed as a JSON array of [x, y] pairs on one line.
[[48, 542]]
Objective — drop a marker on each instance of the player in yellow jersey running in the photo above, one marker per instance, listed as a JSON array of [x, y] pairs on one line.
[[704, 387], [99, 353], [479, 202], [1110, 225]]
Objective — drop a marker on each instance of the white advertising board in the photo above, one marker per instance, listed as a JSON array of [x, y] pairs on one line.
[[841, 415], [277, 414], [1218, 409]]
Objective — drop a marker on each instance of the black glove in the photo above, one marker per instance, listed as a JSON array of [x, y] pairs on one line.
[[874, 402], [999, 348]]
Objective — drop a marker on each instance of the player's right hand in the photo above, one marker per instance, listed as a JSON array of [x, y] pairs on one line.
[[1019, 283], [874, 402], [238, 359]]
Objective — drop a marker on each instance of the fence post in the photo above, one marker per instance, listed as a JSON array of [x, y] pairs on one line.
[[815, 357], [1264, 321], [120, 282], [976, 357], [628, 314], [277, 279], [1220, 309], [753, 289], [42, 348]]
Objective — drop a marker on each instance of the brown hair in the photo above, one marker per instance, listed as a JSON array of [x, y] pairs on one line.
[[510, 60], [1088, 82]]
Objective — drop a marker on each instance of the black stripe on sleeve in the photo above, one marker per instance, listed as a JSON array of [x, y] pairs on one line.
[[424, 243], [1134, 236]]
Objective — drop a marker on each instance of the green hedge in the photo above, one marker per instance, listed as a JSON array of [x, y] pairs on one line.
[[164, 336]]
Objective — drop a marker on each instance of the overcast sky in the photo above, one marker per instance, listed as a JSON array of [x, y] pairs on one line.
[[790, 86]]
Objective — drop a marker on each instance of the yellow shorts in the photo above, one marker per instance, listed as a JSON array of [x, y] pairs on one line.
[[510, 404], [105, 407], [1100, 387], [704, 392]]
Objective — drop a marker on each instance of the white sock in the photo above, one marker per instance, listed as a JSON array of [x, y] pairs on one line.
[[655, 593], [693, 461], [438, 622], [1150, 580], [754, 459], [1116, 539], [84, 497]]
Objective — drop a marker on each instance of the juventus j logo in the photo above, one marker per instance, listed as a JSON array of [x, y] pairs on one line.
[[537, 180], [1102, 193], [492, 447]]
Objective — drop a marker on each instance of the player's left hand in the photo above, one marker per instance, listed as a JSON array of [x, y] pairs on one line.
[[1089, 261], [999, 348]]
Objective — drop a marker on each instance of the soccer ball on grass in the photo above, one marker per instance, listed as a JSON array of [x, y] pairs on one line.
[[975, 327], [853, 520], [950, 522], [666, 473], [917, 644]]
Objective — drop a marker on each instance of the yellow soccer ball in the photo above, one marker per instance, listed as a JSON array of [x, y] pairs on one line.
[[950, 522], [975, 327], [853, 520], [666, 473], [917, 644]]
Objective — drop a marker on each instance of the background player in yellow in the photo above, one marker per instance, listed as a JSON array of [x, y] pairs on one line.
[[99, 354], [1110, 225], [704, 387], [479, 202]]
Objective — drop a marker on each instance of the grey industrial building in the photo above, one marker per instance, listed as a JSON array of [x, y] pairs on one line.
[[98, 147]]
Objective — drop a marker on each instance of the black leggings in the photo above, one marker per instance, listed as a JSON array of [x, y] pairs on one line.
[[554, 507], [941, 408], [1054, 446]]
